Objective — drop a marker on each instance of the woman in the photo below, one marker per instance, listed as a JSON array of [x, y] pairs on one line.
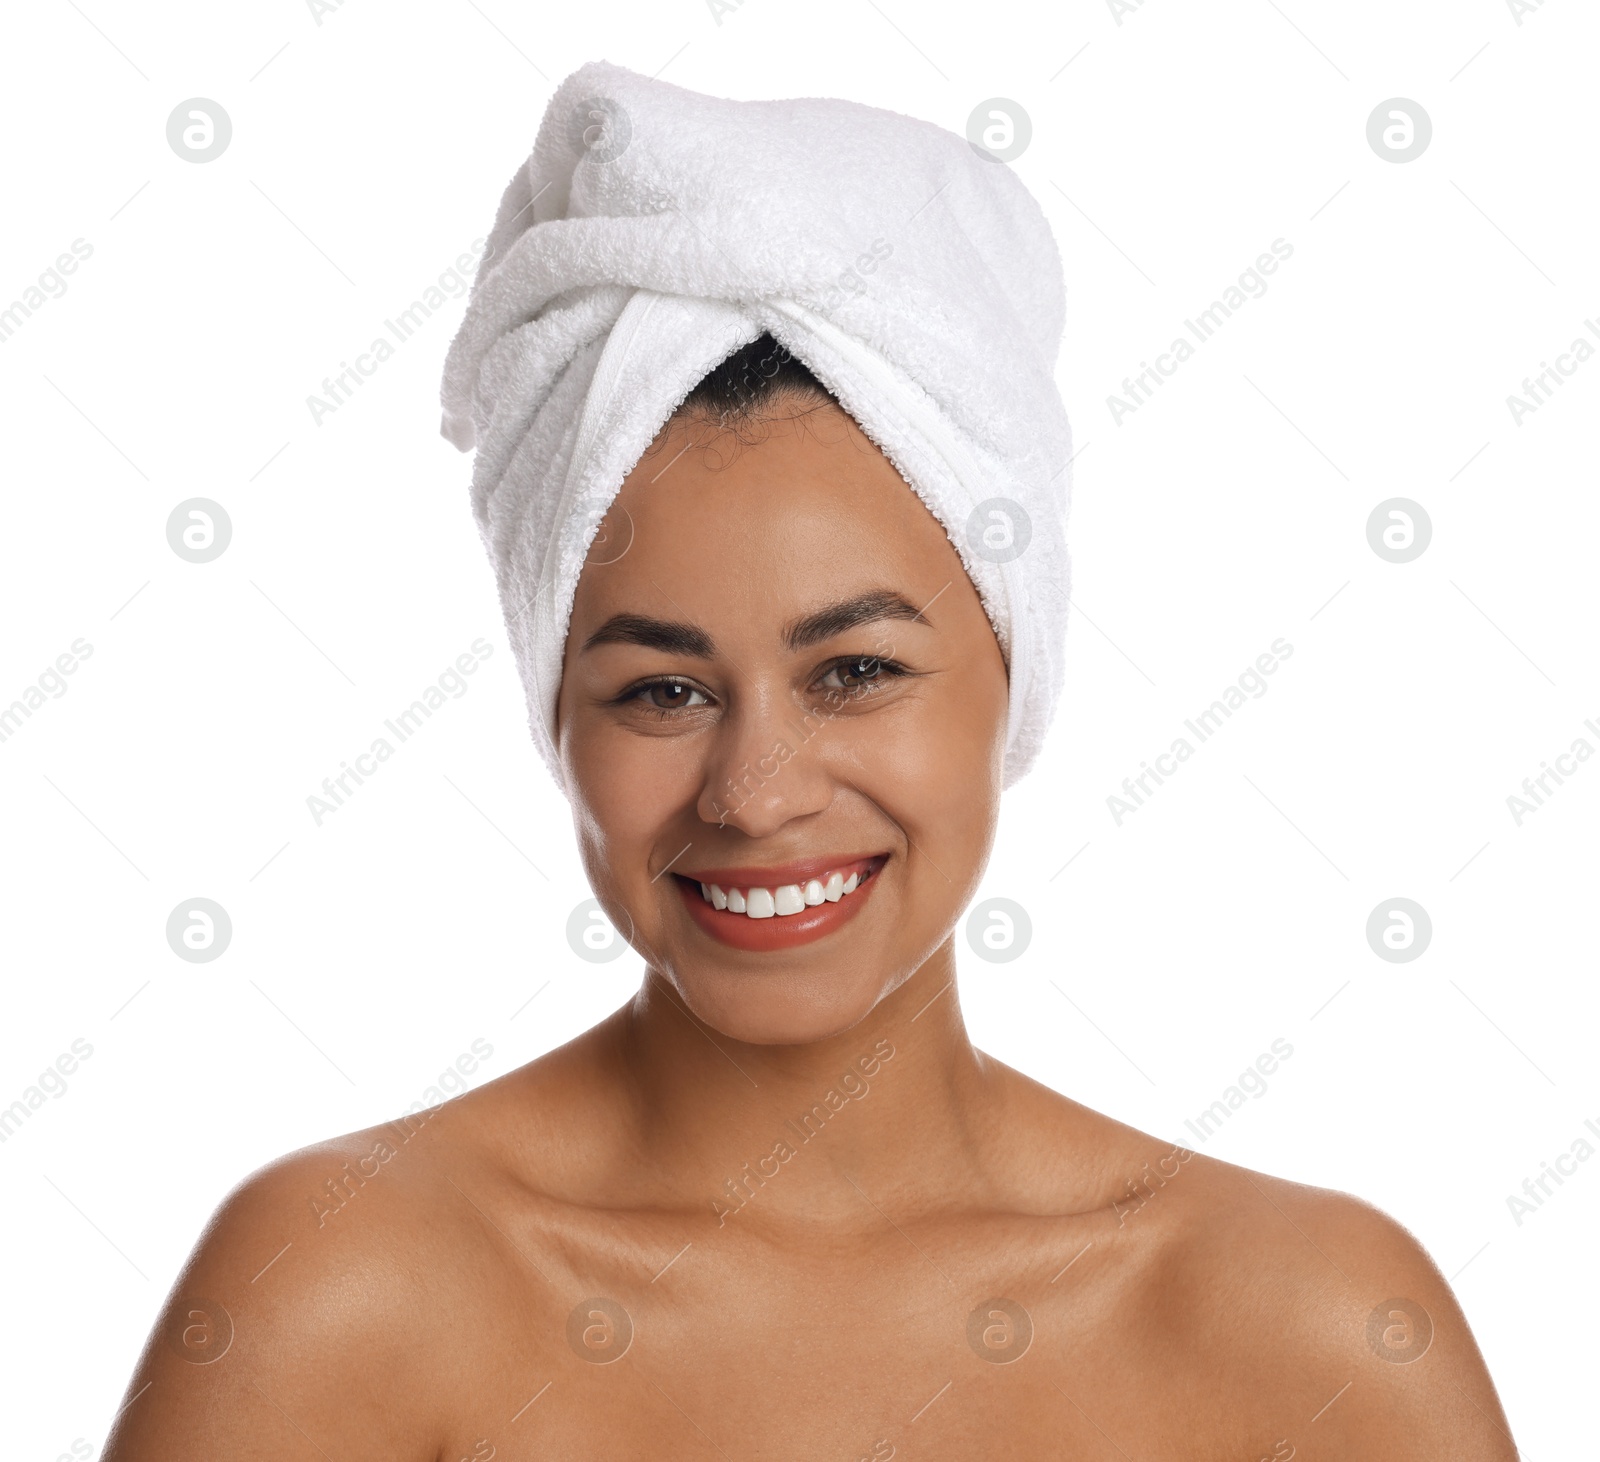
[[778, 1203]]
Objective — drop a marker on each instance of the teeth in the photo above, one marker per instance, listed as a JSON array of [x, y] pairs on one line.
[[789, 898]]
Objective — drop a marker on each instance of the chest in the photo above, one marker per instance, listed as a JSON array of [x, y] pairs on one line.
[[947, 1348]]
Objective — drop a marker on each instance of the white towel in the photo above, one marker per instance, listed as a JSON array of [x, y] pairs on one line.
[[655, 230]]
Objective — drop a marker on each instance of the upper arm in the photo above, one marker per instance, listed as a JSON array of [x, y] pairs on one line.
[[283, 1337]]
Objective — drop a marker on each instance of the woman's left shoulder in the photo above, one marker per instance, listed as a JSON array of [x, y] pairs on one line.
[[1332, 1288], [1298, 1223]]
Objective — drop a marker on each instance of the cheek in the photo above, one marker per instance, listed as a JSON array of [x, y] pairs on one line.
[[936, 768], [965, 729], [624, 789]]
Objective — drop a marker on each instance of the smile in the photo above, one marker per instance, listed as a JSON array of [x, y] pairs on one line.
[[756, 902], [778, 907]]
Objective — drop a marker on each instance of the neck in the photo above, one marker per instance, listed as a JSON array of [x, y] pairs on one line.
[[896, 1105]]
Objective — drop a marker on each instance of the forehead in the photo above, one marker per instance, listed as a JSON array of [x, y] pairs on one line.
[[802, 511]]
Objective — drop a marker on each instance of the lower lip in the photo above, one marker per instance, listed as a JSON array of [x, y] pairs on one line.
[[781, 931]]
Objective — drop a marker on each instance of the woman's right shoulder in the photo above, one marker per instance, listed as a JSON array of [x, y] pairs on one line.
[[300, 1196], [368, 1190], [317, 1300]]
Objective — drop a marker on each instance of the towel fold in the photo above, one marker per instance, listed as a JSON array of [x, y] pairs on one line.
[[655, 230]]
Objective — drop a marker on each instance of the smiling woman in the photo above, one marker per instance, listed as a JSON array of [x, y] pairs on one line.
[[838, 653], [784, 681]]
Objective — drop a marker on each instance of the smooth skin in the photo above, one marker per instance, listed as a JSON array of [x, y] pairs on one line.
[[956, 1263]]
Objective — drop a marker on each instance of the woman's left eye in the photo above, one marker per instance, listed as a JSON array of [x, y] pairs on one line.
[[858, 673]]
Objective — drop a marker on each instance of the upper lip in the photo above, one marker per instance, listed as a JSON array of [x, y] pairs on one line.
[[775, 875]]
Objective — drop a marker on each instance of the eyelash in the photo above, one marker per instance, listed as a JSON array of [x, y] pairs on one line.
[[633, 695]]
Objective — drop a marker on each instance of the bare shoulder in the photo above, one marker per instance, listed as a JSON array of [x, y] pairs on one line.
[[339, 1301], [317, 1304], [1343, 1306]]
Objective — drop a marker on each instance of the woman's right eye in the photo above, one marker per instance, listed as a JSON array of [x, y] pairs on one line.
[[670, 695]]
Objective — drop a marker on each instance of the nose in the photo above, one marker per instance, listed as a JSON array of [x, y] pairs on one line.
[[764, 767]]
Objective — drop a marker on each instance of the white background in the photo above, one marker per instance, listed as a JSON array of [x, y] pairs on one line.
[[1169, 150]]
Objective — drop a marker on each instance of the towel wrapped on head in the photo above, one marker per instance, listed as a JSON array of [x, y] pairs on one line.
[[655, 231]]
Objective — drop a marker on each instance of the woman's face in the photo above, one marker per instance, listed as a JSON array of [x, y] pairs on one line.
[[779, 680]]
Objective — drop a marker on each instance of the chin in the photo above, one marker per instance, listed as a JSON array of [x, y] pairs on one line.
[[788, 1009]]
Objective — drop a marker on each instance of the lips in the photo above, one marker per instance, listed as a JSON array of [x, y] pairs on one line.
[[767, 893], [770, 906]]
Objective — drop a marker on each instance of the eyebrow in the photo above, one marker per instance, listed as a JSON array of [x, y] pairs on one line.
[[677, 638]]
